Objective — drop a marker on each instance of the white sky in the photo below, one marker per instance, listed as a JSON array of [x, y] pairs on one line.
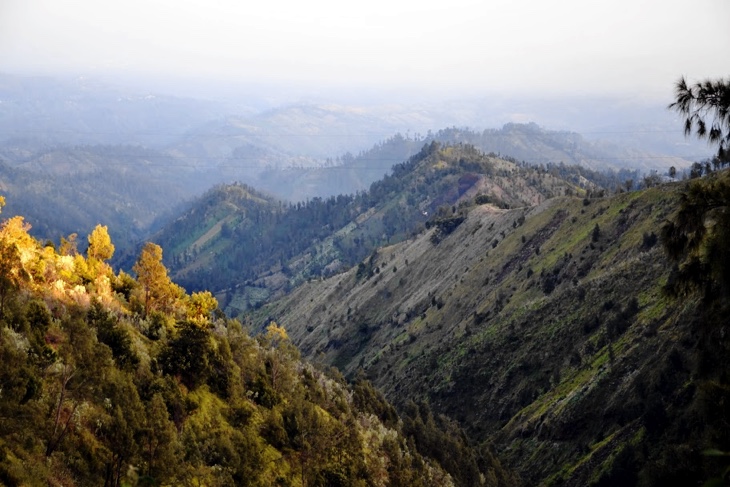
[[449, 46]]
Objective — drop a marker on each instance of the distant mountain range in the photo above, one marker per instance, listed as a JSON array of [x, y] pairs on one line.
[[138, 155], [85, 111]]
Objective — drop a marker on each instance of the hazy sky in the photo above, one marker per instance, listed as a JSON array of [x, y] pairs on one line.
[[446, 46]]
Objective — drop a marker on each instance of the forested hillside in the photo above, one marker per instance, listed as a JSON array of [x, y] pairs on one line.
[[111, 380], [70, 190], [563, 332], [246, 247]]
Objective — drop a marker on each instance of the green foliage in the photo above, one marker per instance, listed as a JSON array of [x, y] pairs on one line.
[[87, 399], [696, 238], [187, 356], [369, 400], [124, 284], [111, 333], [440, 438]]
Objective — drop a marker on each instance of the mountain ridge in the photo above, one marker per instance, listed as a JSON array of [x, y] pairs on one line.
[[287, 244], [550, 337]]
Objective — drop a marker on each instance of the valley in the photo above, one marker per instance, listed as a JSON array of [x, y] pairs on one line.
[[545, 338], [466, 306]]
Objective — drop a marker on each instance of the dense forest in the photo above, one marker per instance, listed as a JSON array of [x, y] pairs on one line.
[[112, 380]]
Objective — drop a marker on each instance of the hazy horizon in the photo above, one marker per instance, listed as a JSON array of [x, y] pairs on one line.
[[326, 49]]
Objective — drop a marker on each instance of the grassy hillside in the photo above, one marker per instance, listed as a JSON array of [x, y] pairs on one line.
[[544, 329]]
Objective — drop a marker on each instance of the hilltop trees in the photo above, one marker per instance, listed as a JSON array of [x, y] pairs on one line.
[[15, 249], [157, 293]]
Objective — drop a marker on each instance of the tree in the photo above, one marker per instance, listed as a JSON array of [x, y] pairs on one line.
[[705, 107], [68, 245], [159, 441], [16, 248], [199, 307], [696, 170], [100, 244], [652, 179], [159, 293], [188, 356], [697, 237], [596, 233]]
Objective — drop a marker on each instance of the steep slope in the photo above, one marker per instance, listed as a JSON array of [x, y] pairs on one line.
[[543, 329], [250, 253], [108, 380]]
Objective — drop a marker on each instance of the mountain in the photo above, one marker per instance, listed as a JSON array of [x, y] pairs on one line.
[[246, 247], [524, 142], [546, 330], [346, 174], [69, 190], [103, 141], [537, 145], [110, 380], [131, 187]]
